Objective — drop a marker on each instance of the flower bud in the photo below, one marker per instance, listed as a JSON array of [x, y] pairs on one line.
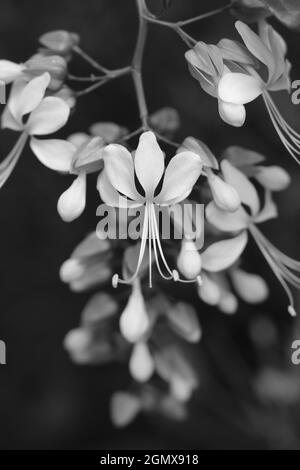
[[180, 388], [55, 65], [77, 344], [228, 303], [225, 196], [61, 42], [134, 321], [71, 270], [109, 131], [209, 291], [233, 114], [141, 364], [189, 260], [165, 120], [273, 177], [124, 407], [250, 287]]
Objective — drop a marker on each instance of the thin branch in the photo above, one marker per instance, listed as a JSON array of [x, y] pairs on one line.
[[137, 64], [204, 15]]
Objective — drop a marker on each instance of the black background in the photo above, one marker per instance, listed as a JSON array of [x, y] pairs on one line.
[[46, 402]]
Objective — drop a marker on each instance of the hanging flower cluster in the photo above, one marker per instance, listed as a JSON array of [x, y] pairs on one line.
[[139, 323]]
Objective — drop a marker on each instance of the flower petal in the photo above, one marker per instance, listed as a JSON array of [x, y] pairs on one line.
[[110, 195], [221, 255], [149, 162], [55, 154], [227, 221], [269, 210], [30, 96], [181, 174], [255, 45], [241, 183], [233, 114], [239, 88], [71, 203], [9, 71], [51, 114], [250, 287], [120, 171], [273, 177]]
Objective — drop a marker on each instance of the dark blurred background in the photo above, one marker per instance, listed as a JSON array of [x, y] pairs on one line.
[[249, 393]]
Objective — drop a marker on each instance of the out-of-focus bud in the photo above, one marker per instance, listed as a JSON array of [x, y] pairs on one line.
[[184, 321], [180, 388], [71, 270], [141, 364], [165, 120], [224, 195], [250, 287], [109, 131], [55, 65], [68, 95], [10, 71], [228, 303], [134, 321], [100, 307], [273, 178], [60, 42], [209, 291], [124, 407], [77, 343], [189, 260]]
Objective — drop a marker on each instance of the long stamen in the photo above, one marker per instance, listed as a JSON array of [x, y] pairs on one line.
[[279, 270], [174, 273], [289, 137], [150, 248], [116, 280]]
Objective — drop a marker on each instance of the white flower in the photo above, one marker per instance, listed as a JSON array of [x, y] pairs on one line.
[[118, 180], [45, 116], [79, 155], [241, 220]]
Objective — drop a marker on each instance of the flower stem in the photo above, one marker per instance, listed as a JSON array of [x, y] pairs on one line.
[[137, 64]]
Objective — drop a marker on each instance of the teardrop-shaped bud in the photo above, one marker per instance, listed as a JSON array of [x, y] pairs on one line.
[[250, 287], [209, 291], [141, 364], [189, 260], [134, 320], [71, 203], [224, 195]]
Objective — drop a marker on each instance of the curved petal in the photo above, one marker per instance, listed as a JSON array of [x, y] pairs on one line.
[[273, 177], [55, 154], [233, 114], [51, 114], [181, 174], [30, 96], [221, 255], [241, 183], [149, 162], [9, 71], [255, 45], [269, 210], [110, 196], [118, 164], [227, 221], [239, 88], [71, 203]]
